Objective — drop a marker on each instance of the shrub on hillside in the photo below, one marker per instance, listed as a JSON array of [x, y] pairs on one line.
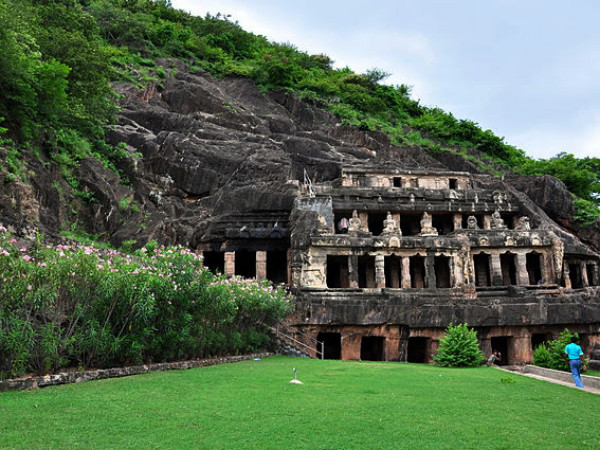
[[459, 348]]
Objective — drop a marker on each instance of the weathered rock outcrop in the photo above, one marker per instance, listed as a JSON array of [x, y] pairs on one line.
[[205, 149]]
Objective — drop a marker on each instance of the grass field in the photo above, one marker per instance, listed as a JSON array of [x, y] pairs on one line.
[[341, 405]]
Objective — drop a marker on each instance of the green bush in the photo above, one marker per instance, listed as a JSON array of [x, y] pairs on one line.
[[551, 354], [76, 305], [459, 348]]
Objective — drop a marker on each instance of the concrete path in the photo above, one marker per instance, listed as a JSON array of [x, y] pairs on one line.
[[592, 384]]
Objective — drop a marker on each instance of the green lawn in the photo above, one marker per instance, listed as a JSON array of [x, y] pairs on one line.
[[341, 405]]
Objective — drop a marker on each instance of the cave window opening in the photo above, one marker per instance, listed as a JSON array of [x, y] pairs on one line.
[[509, 220], [453, 183], [372, 348], [332, 345], [410, 225], [534, 268], [245, 264], [337, 271], [337, 217], [481, 262], [417, 272], [214, 261], [442, 272], [375, 222], [398, 182], [366, 271], [417, 349], [444, 223], [393, 271], [575, 276], [509, 268], [277, 266]]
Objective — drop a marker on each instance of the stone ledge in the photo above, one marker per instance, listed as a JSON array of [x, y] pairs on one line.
[[588, 381], [18, 384]]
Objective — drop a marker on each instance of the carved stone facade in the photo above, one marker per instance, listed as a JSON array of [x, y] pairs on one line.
[[381, 263], [425, 250]]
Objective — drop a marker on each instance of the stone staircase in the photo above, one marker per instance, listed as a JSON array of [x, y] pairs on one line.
[[292, 342]]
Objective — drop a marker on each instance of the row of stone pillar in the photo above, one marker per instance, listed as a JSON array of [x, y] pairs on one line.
[[401, 276], [261, 264]]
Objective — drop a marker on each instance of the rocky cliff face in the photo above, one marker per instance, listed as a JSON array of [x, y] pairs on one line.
[[204, 150]]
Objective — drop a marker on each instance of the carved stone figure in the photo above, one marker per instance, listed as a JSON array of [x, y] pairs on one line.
[[354, 224], [426, 227], [390, 226], [558, 253], [497, 221], [523, 224], [472, 223]]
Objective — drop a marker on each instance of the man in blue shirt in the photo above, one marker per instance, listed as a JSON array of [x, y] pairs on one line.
[[574, 355]]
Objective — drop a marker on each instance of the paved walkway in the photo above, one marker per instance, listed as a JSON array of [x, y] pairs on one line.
[[570, 384]]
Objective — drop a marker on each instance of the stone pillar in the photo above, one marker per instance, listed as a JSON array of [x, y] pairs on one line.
[[353, 271], [457, 218], [406, 272], [229, 263], [487, 222], [496, 270], [486, 347], [392, 343], [351, 346], [594, 279], [522, 275], [261, 265], [520, 350], [430, 271], [364, 218], [379, 271], [396, 217], [584, 275]]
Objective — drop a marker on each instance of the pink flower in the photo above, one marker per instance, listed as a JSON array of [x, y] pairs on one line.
[[27, 258], [29, 288]]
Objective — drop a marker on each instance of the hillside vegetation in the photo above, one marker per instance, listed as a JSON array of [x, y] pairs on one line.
[[60, 56]]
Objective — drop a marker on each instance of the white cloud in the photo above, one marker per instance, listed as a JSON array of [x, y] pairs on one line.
[[545, 142]]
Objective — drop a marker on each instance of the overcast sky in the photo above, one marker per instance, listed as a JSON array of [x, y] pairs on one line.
[[528, 70]]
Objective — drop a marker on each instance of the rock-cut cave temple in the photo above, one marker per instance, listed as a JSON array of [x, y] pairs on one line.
[[381, 261]]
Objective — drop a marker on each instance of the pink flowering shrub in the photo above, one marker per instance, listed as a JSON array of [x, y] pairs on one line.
[[72, 305]]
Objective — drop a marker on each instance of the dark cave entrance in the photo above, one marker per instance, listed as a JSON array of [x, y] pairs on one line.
[[482, 269], [417, 349], [444, 223], [214, 261], [376, 222], [500, 345], [337, 271], [366, 271], [393, 271], [417, 272], [245, 264], [410, 224], [534, 268], [372, 348], [277, 266], [509, 269], [442, 272], [332, 345]]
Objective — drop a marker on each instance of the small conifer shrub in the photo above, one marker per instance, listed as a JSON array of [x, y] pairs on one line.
[[459, 348]]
